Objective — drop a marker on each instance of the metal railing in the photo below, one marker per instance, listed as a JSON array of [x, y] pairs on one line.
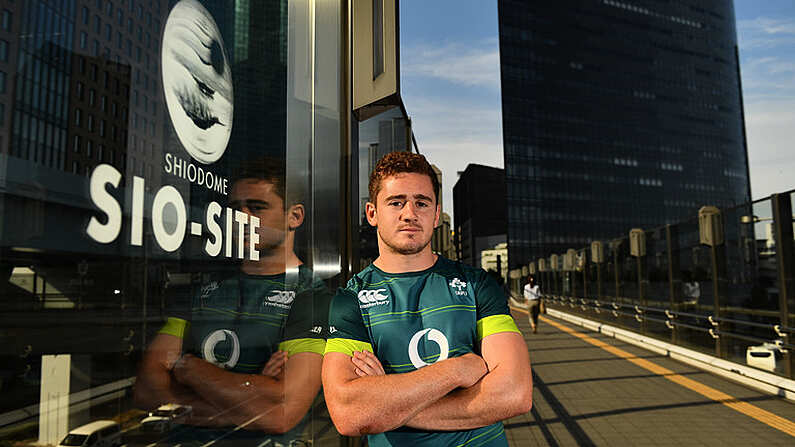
[[722, 283]]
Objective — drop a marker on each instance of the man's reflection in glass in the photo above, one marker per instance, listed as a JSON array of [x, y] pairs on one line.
[[247, 355]]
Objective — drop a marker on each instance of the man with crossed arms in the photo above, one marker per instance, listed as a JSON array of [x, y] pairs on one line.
[[422, 350], [248, 354]]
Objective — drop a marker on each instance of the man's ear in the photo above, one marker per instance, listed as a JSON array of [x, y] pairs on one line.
[[438, 215], [371, 213], [295, 216]]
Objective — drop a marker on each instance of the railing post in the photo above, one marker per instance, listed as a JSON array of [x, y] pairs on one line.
[[615, 247], [584, 267], [674, 275], [599, 280], [782, 221], [637, 248], [710, 228]]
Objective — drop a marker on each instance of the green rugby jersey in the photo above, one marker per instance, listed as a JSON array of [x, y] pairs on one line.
[[238, 322], [410, 320]]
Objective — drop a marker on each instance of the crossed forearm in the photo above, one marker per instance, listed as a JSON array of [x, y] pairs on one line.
[[490, 400], [242, 399], [375, 404]]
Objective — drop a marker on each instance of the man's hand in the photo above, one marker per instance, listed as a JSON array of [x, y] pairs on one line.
[[367, 364], [181, 368], [472, 366], [275, 366]]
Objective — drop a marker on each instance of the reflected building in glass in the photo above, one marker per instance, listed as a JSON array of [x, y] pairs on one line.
[[616, 115], [127, 128]]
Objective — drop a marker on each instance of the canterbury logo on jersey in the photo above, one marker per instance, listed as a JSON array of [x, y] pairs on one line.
[[280, 298], [435, 336], [369, 298], [222, 343], [459, 286]]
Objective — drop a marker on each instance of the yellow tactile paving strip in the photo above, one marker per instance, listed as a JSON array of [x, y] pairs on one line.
[[745, 408]]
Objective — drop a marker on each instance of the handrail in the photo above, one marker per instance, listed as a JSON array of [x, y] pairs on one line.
[[640, 314]]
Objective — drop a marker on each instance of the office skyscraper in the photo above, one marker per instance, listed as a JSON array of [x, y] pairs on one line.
[[479, 207], [617, 114]]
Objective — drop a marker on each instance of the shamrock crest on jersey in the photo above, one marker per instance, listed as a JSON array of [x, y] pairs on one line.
[[459, 286]]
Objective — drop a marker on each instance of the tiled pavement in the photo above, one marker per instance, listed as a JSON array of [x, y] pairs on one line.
[[584, 395]]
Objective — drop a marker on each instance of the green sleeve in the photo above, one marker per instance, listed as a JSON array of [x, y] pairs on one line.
[[493, 315], [305, 329], [180, 302], [347, 332]]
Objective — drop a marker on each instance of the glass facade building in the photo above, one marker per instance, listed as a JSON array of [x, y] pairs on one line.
[[617, 114], [479, 207], [129, 132]]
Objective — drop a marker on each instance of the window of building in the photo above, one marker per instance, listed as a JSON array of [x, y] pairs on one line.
[[90, 123], [84, 14], [2, 82], [78, 117], [89, 148], [97, 24], [83, 38], [6, 20], [3, 50], [76, 144], [91, 94]]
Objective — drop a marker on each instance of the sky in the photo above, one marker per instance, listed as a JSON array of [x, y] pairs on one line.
[[450, 84]]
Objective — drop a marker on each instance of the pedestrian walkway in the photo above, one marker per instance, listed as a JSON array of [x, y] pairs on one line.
[[590, 389]]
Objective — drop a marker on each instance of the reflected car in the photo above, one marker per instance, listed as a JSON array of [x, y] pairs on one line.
[[166, 417], [96, 434]]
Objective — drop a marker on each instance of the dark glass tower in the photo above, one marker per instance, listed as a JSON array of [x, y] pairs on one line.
[[617, 114]]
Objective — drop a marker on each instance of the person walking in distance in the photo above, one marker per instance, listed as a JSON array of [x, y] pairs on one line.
[[532, 294]]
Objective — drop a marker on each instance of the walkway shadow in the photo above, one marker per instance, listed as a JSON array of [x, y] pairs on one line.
[[639, 376], [600, 359]]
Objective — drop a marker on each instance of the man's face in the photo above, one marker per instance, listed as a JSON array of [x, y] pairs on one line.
[[405, 212], [258, 198]]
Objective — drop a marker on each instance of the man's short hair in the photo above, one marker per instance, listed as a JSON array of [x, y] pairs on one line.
[[271, 170], [398, 163]]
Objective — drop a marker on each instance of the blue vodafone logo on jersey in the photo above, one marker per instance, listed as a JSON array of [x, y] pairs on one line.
[[435, 336]]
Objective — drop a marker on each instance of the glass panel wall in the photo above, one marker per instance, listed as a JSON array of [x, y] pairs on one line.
[[714, 285], [170, 235], [389, 131]]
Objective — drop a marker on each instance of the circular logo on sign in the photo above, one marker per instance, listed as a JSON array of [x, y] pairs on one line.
[[434, 336], [222, 338], [197, 81]]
